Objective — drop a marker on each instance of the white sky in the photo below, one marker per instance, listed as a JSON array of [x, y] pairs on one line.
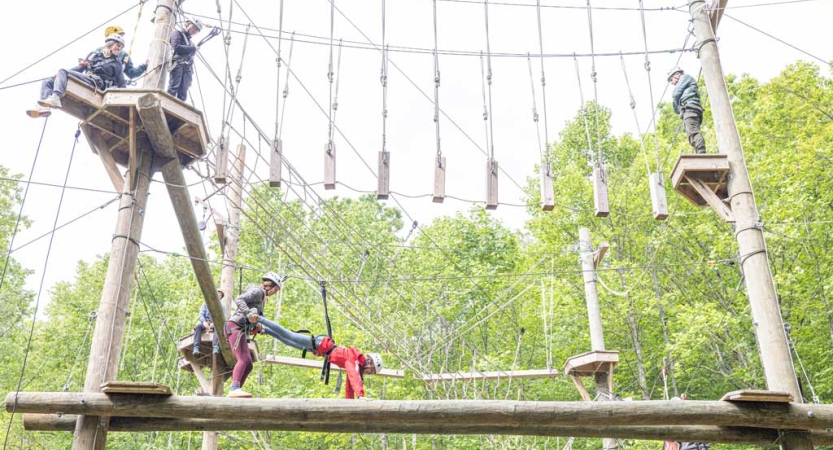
[[410, 137]]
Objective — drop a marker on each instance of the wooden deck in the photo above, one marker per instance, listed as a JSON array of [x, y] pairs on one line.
[[589, 363]]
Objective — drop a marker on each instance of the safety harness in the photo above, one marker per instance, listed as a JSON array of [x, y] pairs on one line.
[[95, 61], [178, 62], [326, 367]]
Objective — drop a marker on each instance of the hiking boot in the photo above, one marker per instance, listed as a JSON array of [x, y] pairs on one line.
[[216, 349], [239, 393], [196, 351]]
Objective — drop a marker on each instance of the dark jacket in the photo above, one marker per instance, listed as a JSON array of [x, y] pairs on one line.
[[349, 359], [251, 301], [694, 446], [107, 72], [685, 91], [183, 48]]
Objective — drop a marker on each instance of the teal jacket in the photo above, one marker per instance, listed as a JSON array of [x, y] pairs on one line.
[[130, 71], [685, 91]]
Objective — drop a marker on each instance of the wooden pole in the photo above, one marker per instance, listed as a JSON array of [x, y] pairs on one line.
[[754, 262], [403, 413], [680, 433], [588, 269]]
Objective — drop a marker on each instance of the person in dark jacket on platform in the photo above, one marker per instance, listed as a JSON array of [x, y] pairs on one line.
[[130, 71], [686, 102], [350, 359], [250, 305], [204, 323], [183, 61], [100, 69]]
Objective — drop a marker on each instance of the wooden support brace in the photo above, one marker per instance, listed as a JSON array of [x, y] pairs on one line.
[[275, 162], [439, 180], [221, 161], [599, 256], [197, 369], [156, 126], [383, 190], [133, 159], [491, 185], [722, 209], [547, 193], [659, 201], [330, 166], [581, 389], [600, 192], [105, 155], [221, 234]]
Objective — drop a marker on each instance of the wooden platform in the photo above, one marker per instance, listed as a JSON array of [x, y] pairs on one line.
[[135, 387], [316, 364], [701, 179], [106, 118], [590, 363], [491, 376], [186, 347], [747, 395]]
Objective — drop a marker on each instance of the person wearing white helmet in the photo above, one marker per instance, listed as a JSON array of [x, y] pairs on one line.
[[183, 60], [100, 69], [250, 306], [686, 102], [350, 359], [130, 71]]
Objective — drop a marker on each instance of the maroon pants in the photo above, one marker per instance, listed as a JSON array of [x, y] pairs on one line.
[[240, 346]]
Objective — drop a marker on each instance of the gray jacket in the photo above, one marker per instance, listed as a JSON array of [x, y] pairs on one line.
[[686, 91], [251, 301]]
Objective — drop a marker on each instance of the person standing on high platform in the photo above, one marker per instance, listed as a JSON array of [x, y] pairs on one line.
[[183, 61], [686, 102]]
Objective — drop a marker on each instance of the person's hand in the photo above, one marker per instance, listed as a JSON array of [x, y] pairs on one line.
[[206, 324], [253, 318]]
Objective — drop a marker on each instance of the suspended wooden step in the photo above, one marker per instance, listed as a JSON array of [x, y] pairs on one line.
[[746, 395], [493, 375], [600, 192], [701, 179], [106, 117], [439, 180], [491, 185], [317, 364], [383, 190], [590, 363], [221, 161], [330, 166], [135, 387], [659, 201], [547, 193], [275, 162]]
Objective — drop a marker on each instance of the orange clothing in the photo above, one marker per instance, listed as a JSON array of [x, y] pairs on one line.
[[349, 359]]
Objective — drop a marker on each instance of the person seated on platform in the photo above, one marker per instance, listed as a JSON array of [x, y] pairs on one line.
[[204, 323], [686, 102], [184, 50], [250, 305], [130, 71], [350, 359], [101, 69]]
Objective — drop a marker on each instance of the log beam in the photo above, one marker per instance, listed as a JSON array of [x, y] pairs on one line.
[[156, 126], [484, 413]]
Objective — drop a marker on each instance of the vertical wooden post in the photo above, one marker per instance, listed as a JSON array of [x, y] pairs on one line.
[[760, 288], [491, 185], [600, 192], [132, 162], [439, 180], [221, 161], [588, 270], [330, 166], [547, 193], [659, 202], [275, 162], [383, 190]]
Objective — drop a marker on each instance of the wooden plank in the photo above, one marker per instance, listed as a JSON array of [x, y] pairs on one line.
[[547, 192], [275, 162], [439, 181], [221, 161], [600, 254], [492, 375], [600, 198], [135, 387], [686, 163], [747, 395], [83, 92], [659, 201], [383, 189], [581, 389], [713, 200], [316, 364], [591, 362], [100, 147], [484, 413], [197, 369], [681, 433], [221, 234], [491, 185], [156, 127], [330, 166]]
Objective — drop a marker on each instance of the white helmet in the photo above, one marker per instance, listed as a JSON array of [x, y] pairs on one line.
[[274, 278], [115, 38], [673, 71], [197, 23], [377, 360]]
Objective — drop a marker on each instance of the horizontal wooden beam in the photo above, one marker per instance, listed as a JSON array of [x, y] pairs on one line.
[[432, 412], [719, 435], [495, 375], [316, 364]]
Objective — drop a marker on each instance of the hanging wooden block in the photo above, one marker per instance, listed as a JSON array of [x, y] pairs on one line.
[[275, 164], [547, 194], [221, 162], [491, 185], [383, 190], [659, 202], [600, 192], [439, 180], [330, 166]]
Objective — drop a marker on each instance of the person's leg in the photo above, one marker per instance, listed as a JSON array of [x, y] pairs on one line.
[[216, 341], [175, 81], [46, 88], [187, 75], [294, 340], [240, 348], [691, 121], [198, 330], [62, 77]]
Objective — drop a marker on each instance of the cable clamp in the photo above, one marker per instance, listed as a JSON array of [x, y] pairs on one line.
[[699, 46]]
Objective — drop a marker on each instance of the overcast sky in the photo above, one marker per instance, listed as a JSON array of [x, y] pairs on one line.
[[410, 130]]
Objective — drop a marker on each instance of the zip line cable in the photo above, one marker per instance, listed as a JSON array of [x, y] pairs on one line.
[[778, 39], [593, 76]]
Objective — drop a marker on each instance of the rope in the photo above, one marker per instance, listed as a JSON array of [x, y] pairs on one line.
[[330, 79], [42, 280], [92, 316], [489, 81], [650, 85], [790, 339], [485, 110], [535, 116], [285, 93], [437, 89], [278, 77], [636, 118], [595, 89], [547, 159], [583, 111], [136, 27], [383, 78]]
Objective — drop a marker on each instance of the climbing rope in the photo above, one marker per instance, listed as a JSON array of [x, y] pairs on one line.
[[489, 82], [547, 158], [437, 89], [278, 77], [584, 111], [330, 78], [650, 85], [594, 77], [92, 318], [285, 92], [535, 114], [383, 78], [635, 116]]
